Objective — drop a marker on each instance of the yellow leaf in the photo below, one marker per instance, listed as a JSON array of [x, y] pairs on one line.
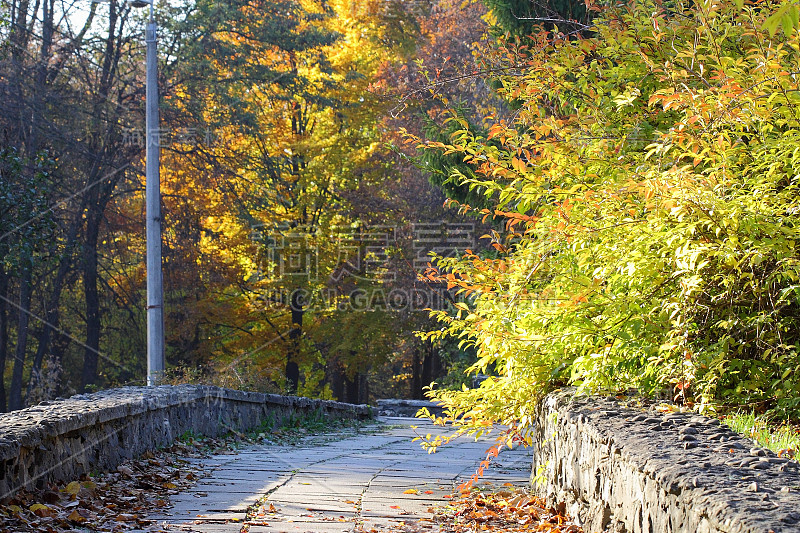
[[411, 491], [41, 510], [73, 488], [75, 516], [169, 485]]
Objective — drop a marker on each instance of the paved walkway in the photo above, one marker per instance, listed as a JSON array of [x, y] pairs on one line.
[[355, 483]]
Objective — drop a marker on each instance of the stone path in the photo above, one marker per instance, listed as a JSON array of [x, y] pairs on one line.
[[356, 483]]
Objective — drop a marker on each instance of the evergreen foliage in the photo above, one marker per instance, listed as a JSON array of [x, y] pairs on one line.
[[523, 18], [447, 171]]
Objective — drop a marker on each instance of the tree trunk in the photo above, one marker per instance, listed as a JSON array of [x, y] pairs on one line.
[[416, 376], [292, 368], [351, 389], [336, 379], [3, 336], [431, 367], [363, 388], [52, 315], [92, 297], [15, 399]]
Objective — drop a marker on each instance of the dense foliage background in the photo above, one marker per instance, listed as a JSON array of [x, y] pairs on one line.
[[648, 185], [277, 121], [633, 169]]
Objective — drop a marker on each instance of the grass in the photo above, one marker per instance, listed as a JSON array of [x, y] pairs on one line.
[[293, 428], [783, 439]]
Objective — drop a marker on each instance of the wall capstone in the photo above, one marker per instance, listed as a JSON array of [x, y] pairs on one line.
[[624, 469], [64, 439]]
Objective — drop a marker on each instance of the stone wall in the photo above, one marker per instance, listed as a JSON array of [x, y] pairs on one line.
[[407, 408], [623, 468], [64, 439]]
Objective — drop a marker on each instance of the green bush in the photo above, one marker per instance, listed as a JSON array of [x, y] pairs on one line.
[[649, 185]]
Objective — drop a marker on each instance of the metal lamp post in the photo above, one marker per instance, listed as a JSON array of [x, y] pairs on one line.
[[155, 291]]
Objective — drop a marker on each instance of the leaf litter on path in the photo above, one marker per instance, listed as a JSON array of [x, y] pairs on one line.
[[510, 510], [120, 501], [116, 501]]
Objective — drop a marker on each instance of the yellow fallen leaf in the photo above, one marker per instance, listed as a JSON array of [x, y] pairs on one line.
[[40, 509], [411, 491], [75, 516], [73, 488], [169, 485]]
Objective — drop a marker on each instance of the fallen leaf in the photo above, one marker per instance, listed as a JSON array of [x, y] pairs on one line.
[[411, 491], [73, 488], [77, 517], [51, 497], [42, 510]]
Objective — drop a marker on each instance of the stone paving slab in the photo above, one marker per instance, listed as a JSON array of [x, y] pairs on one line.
[[357, 483]]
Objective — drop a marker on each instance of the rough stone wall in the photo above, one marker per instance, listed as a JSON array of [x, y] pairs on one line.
[[407, 408], [627, 469], [64, 439]]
